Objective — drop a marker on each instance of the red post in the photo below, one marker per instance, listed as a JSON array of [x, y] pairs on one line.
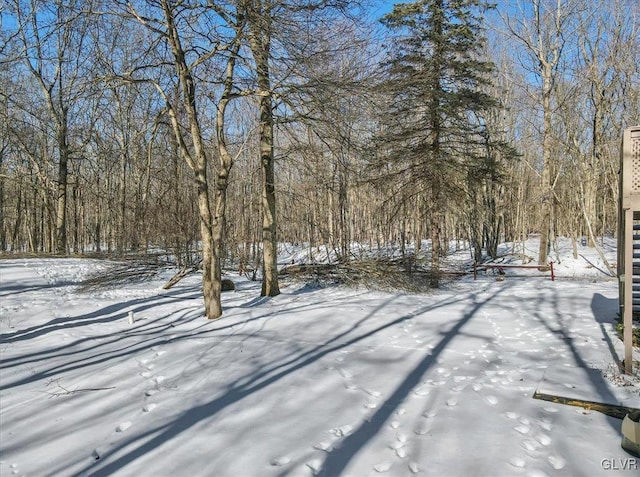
[[553, 277], [475, 270]]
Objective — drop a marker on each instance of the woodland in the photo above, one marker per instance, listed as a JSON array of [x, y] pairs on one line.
[[218, 129]]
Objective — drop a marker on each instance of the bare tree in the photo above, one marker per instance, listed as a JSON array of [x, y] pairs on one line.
[[542, 28], [52, 37]]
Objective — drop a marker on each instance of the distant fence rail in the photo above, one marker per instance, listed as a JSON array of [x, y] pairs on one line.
[[501, 268]]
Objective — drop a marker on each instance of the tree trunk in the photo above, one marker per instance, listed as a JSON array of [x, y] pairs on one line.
[[545, 186], [61, 204], [198, 162], [259, 18]]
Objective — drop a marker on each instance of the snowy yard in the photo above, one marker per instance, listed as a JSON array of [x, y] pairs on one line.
[[317, 381]]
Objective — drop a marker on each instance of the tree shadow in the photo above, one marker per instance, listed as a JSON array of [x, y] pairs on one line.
[[605, 311], [337, 460], [249, 384], [557, 325]]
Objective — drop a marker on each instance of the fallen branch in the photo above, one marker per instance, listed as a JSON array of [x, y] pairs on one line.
[[181, 274], [609, 409], [67, 392]]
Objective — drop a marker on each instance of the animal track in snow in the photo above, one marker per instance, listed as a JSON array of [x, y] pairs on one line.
[[383, 467], [522, 429], [315, 465], [517, 462], [123, 426], [544, 439], [149, 407], [345, 373], [556, 462], [342, 431], [422, 429], [492, 400], [280, 461], [323, 446], [421, 391]]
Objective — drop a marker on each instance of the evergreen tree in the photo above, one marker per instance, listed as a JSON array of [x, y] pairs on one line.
[[434, 88]]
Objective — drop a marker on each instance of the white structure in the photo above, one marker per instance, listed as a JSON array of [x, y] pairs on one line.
[[629, 237]]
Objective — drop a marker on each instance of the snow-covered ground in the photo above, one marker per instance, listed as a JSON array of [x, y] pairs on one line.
[[317, 381]]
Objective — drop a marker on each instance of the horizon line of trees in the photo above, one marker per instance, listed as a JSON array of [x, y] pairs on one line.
[[226, 127]]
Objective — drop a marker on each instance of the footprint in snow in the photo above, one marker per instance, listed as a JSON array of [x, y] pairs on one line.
[[452, 402], [544, 439], [556, 462], [530, 446], [149, 407], [280, 461], [342, 431], [323, 446], [422, 430], [517, 462], [394, 424], [146, 374], [492, 400], [545, 424], [421, 391], [315, 465], [522, 429], [161, 352], [123, 426], [370, 405], [401, 452], [414, 467], [345, 373], [151, 392], [383, 467]]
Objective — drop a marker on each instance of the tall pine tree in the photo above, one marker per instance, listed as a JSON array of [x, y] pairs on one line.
[[434, 90]]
